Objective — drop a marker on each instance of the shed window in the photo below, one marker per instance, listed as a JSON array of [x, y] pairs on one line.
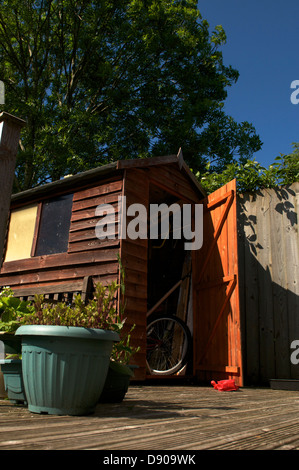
[[21, 233], [54, 226], [39, 229]]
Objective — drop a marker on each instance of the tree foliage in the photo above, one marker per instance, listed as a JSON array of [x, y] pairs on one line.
[[252, 176], [116, 79]]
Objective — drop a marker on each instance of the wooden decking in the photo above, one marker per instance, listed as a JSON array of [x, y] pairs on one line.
[[163, 417]]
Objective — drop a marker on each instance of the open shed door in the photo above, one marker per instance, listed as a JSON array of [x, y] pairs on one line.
[[217, 333]]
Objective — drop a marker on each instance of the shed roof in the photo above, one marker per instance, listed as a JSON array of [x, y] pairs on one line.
[[103, 171]]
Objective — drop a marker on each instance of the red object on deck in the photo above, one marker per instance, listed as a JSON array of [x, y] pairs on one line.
[[225, 385]]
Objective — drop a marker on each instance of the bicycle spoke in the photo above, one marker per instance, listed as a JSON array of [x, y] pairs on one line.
[[167, 345]]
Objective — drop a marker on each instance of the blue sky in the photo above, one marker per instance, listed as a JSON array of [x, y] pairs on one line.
[[263, 45]]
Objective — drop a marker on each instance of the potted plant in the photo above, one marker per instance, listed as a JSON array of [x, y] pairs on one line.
[[11, 369], [66, 352], [120, 370], [12, 313]]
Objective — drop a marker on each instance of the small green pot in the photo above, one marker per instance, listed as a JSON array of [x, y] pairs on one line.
[[64, 368], [13, 380], [12, 343], [117, 383]]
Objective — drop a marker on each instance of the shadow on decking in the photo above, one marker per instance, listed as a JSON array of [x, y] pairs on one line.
[[151, 409]]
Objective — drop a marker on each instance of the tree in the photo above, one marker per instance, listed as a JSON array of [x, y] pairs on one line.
[[252, 176], [116, 79], [288, 166]]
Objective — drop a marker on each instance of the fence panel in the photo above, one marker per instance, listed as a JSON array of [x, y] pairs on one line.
[[269, 281]]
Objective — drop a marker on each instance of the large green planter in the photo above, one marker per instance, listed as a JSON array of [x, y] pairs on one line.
[[13, 380], [117, 382], [64, 368]]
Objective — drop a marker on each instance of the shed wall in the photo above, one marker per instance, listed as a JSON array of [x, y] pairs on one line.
[[134, 262], [86, 254]]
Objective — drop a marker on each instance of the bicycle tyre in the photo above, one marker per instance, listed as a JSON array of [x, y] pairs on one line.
[[164, 356]]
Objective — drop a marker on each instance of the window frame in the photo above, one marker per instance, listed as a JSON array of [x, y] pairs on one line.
[[37, 227]]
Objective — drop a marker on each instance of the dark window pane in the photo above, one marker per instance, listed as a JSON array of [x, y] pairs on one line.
[[54, 226]]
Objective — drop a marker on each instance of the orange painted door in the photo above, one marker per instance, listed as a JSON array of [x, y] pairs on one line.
[[216, 330]]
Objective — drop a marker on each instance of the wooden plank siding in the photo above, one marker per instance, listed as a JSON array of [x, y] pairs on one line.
[[134, 263], [269, 272], [86, 255], [217, 329], [172, 180]]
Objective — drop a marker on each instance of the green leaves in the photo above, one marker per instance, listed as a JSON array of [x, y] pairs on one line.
[[218, 36], [105, 310], [13, 311], [123, 350], [251, 175], [99, 312]]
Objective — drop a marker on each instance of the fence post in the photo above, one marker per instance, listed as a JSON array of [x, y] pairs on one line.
[[10, 129]]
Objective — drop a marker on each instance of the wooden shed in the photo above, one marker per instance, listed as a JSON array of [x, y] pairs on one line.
[[51, 240]]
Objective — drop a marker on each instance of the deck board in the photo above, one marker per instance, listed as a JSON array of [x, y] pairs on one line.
[[163, 417]]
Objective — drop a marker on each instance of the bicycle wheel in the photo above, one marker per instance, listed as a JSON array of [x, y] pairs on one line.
[[168, 344]]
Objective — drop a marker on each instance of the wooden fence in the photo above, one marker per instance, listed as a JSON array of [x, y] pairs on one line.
[[269, 282]]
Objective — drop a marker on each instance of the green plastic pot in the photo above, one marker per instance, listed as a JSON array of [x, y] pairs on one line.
[[117, 382], [64, 368], [13, 380], [12, 343]]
